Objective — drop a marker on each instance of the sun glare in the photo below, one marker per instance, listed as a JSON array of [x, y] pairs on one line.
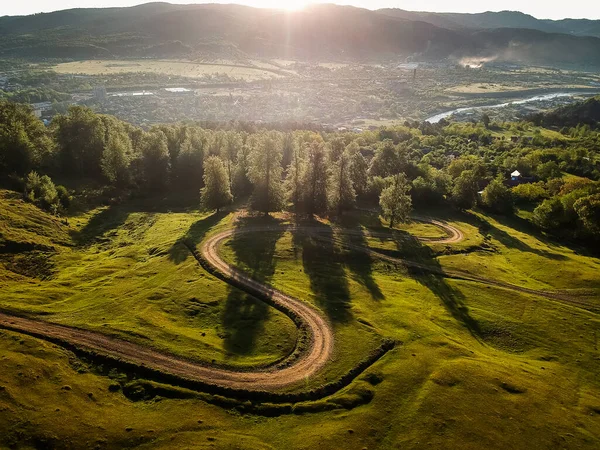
[[293, 5], [288, 5]]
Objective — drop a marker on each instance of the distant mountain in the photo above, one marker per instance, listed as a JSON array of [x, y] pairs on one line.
[[317, 32], [502, 19]]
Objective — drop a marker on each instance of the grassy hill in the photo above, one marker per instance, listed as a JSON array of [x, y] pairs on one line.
[[319, 31], [475, 365]]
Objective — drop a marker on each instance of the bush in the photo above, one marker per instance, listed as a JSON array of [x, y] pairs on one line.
[[63, 196], [42, 192]]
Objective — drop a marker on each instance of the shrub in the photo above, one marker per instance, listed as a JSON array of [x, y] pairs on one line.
[[42, 192]]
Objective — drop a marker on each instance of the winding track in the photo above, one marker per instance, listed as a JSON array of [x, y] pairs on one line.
[[307, 364]]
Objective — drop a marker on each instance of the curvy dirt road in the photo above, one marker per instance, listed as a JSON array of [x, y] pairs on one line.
[[316, 355]]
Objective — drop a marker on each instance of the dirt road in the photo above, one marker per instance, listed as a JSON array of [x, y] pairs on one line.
[[317, 354]]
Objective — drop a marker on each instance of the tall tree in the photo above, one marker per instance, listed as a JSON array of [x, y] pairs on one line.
[[293, 180], [241, 183], [395, 202], [359, 172], [315, 178], [189, 167], [232, 145], [265, 173], [115, 159], [342, 194], [155, 161], [386, 161], [216, 193], [24, 141], [81, 137]]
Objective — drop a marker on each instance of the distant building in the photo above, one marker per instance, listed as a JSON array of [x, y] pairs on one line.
[[516, 178]]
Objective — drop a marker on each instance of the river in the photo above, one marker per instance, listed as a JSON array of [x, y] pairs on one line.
[[537, 98]]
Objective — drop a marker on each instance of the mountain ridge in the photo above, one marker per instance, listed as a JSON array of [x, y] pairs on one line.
[[322, 31]]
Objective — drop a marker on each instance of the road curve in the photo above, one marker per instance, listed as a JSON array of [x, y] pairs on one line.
[[316, 355]]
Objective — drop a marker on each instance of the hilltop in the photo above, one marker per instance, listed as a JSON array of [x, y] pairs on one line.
[[317, 32], [502, 19]]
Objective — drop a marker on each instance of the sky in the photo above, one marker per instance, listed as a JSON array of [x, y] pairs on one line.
[[542, 9]]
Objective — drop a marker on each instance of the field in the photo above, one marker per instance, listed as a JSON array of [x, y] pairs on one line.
[[474, 366], [187, 69]]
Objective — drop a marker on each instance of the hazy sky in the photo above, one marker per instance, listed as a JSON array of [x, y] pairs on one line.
[[543, 9]]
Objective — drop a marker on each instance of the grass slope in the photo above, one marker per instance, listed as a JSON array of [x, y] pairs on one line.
[[478, 366]]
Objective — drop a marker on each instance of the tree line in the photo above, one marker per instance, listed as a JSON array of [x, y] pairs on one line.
[[310, 172]]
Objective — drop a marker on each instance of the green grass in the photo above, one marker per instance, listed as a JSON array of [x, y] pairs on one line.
[[476, 366], [130, 277]]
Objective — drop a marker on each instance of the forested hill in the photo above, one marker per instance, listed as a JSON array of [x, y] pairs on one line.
[[582, 113], [502, 19], [320, 31]]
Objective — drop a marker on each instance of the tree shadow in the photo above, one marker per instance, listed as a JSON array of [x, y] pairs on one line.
[[360, 264], [453, 299], [179, 251], [323, 262], [243, 318], [434, 280], [244, 315], [108, 219], [432, 277], [486, 228]]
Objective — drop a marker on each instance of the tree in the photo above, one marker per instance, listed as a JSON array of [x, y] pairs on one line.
[[81, 138], [550, 215], [232, 145], [464, 192], [386, 161], [24, 141], [548, 170], [189, 167], [265, 173], [432, 186], [588, 211], [395, 202], [498, 198], [314, 181], [342, 194], [241, 183], [293, 179], [216, 193], [359, 173], [115, 159], [155, 161]]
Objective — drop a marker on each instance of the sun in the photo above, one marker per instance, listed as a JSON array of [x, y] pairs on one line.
[[293, 5]]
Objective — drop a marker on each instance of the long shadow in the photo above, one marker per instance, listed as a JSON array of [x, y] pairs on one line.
[[409, 247], [244, 315], [452, 298], [324, 264], [485, 227], [101, 223], [179, 252], [360, 264]]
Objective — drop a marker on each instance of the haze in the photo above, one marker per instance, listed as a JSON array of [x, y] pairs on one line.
[[538, 8]]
